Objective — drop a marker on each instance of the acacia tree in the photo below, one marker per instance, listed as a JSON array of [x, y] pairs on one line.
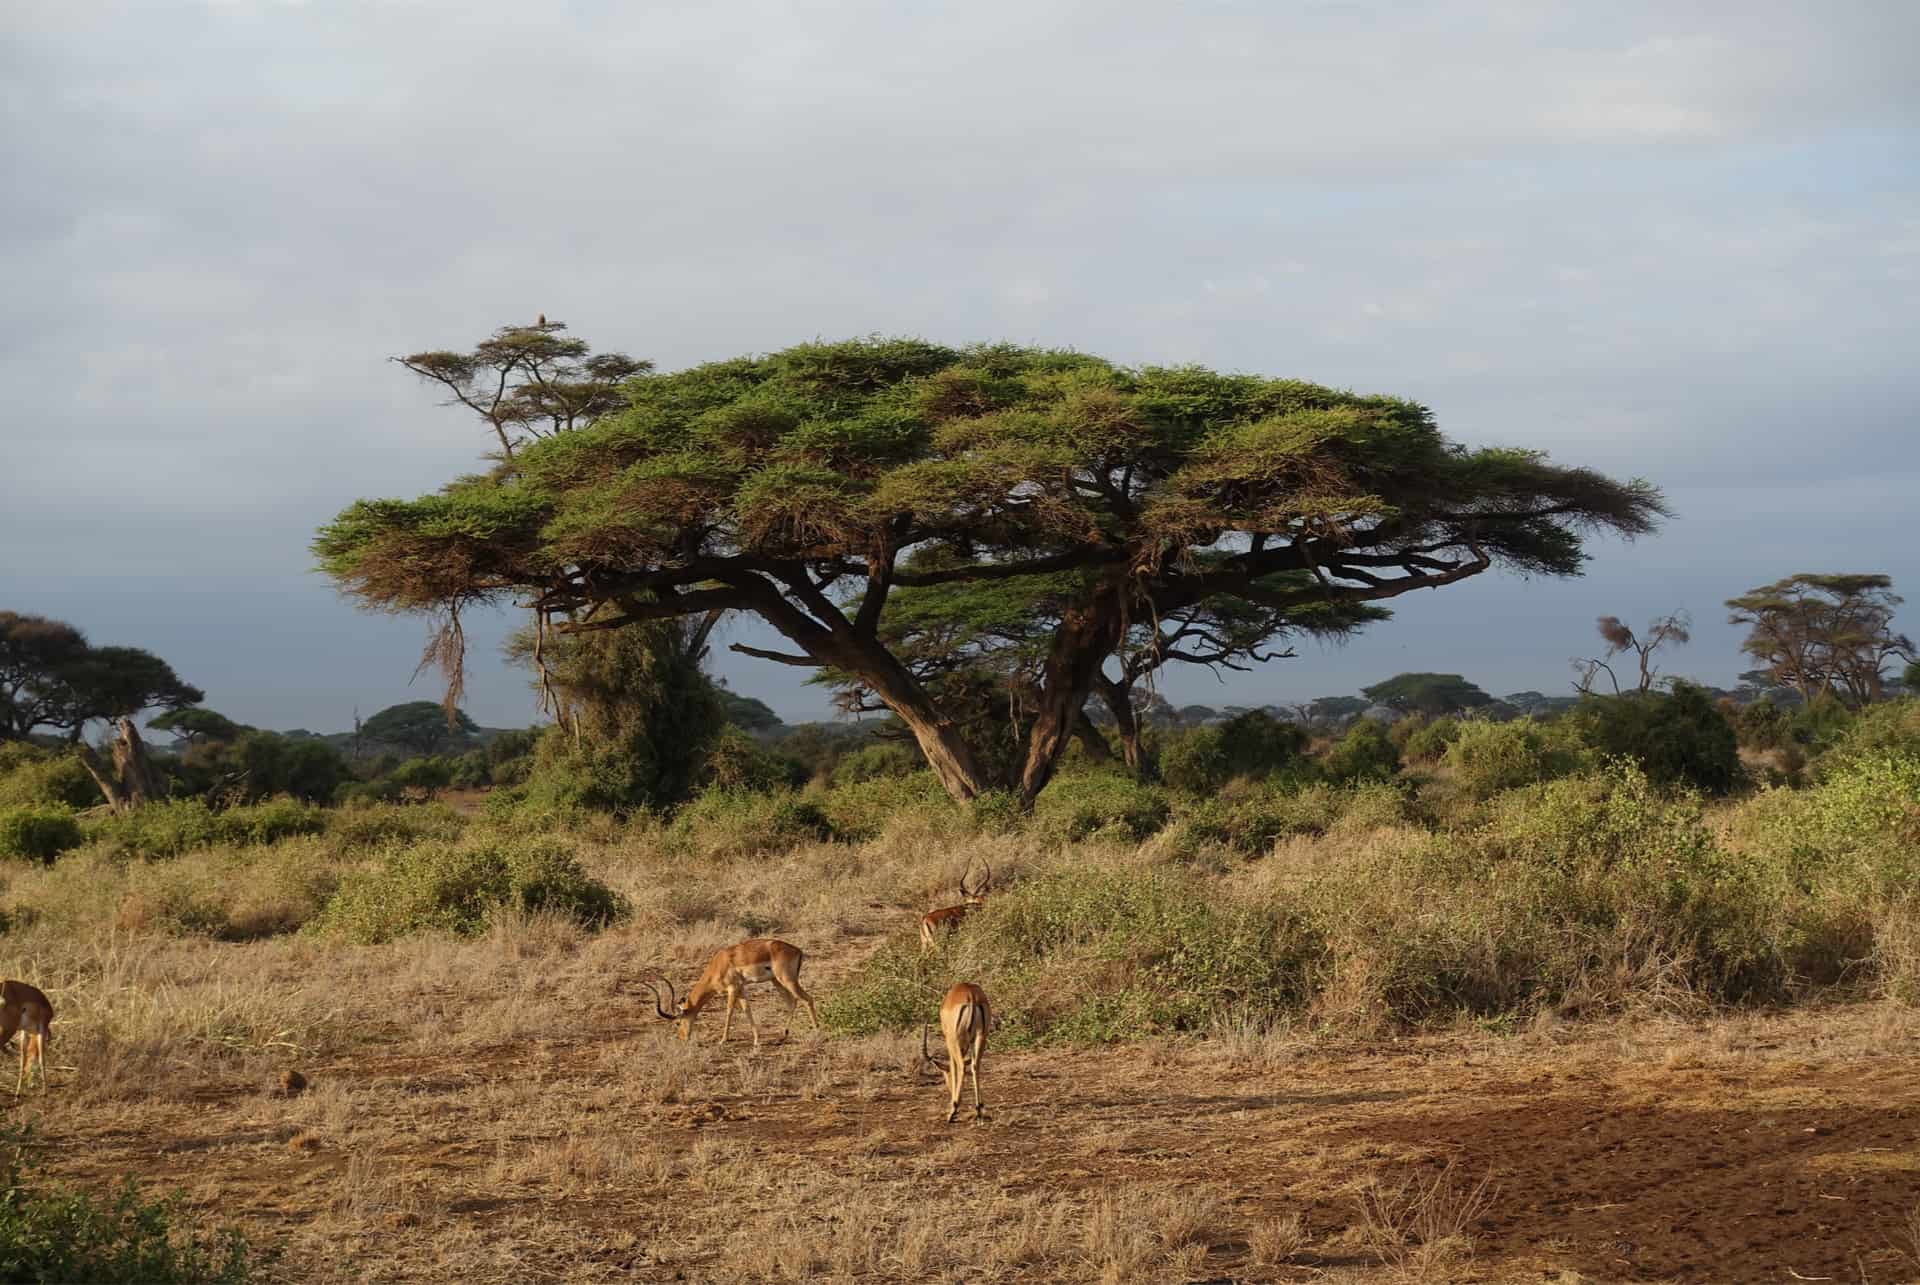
[[1824, 633], [529, 382], [421, 726], [799, 484], [1430, 694], [52, 677], [1675, 627]]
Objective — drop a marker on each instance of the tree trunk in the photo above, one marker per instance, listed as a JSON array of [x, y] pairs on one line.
[[946, 750], [128, 782], [1119, 699], [1092, 740], [1081, 645]]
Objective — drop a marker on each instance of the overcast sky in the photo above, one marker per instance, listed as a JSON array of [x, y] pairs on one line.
[[1674, 240]]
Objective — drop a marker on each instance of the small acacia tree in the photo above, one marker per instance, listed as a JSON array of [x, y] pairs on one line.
[[800, 486], [425, 727], [1675, 628], [1429, 694]]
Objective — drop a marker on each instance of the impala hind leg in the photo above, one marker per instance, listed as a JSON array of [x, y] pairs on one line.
[[973, 1068]]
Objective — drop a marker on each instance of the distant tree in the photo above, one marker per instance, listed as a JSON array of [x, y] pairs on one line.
[[420, 726], [51, 676], [1910, 678], [1430, 694], [198, 726], [747, 712], [796, 484], [1824, 634], [428, 775], [1335, 709], [1672, 629], [529, 382]]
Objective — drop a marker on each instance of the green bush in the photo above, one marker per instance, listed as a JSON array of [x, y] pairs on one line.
[[1087, 956], [428, 775], [740, 823], [38, 832], [864, 810], [1099, 804], [1365, 753], [55, 1233], [1426, 741], [1677, 738], [1490, 757], [875, 761], [377, 825], [1253, 744], [179, 825], [1891, 728], [442, 887], [1763, 725], [29, 774]]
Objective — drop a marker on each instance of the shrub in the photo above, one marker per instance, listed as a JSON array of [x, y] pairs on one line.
[[29, 774], [1365, 753], [1763, 725], [1099, 804], [38, 832], [1253, 744], [52, 1232], [376, 825], [874, 761], [739, 823], [1490, 757], [1086, 956], [733, 760], [1425, 741], [864, 810], [170, 828], [1892, 728], [427, 775], [440, 887], [1677, 738]]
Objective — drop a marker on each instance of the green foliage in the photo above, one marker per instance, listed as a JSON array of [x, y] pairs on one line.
[[1822, 723], [420, 726], [1488, 758], [54, 1233], [733, 760], [1763, 725], [379, 825], [156, 830], [747, 712], [1677, 738], [29, 774], [1084, 956], [1426, 740], [256, 765], [875, 761], [1365, 753], [1103, 805], [38, 832], [639, 719], [1250, 745], [428, 776], [196, 724], [1430, 694], [437, 886], [1892, 728], [741, 823]]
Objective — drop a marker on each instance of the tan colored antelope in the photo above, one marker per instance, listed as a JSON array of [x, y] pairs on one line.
[[948, 918], [760, 959], [25, 1010], [964, 1018]]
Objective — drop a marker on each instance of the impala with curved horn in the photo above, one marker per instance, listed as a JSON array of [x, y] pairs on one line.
[[728, 973], [964, 1018], [947, 918]]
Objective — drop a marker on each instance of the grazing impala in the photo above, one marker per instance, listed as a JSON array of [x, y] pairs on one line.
[[728, 972], [948, 918], [963, 1020], [25, 1010]]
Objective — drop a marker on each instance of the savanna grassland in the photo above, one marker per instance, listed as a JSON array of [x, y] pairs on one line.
[[1515, 1011]]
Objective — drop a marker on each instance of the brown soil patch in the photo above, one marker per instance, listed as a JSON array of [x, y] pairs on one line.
[[1753, 1149]]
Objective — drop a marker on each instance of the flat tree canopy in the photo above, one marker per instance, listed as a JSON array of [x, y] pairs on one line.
[[806, 485]]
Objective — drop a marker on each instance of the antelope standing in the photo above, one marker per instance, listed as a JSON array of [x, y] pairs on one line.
[[947, 918], [759, 959], [24, 1009], [963, 1020]]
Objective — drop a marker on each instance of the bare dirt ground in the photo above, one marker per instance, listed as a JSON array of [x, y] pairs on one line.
[[1751, 1148]]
